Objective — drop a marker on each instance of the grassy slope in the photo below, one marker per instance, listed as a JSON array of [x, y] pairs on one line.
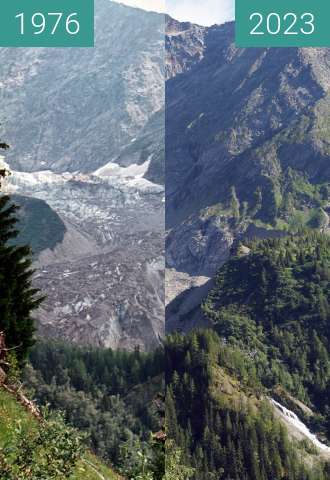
[[229, 393], [90, 468], [227, 390]]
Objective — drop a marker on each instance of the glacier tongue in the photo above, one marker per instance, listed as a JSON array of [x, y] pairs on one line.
[[112, 254], [292, 418]]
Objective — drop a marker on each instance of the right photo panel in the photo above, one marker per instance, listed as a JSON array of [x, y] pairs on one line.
[[247, 145]]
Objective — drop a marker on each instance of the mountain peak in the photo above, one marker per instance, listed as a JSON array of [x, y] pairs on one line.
[[175, 27]]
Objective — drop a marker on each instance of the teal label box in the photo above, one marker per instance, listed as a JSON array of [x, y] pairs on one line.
[[282, 23], [47, 23]]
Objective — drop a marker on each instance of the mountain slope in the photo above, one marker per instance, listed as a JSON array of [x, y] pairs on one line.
[[14, 416], [115, 397], [247, 158], [247, 151], [241, 117], [92, 150], [148, 147], [97, 100], [221, 417], [274, 301], [40, 227]]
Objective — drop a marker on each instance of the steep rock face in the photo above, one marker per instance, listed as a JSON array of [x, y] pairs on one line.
[[96, 100], [240, 117], [149, 147], [184, 46], [184, 295], [194, 251], [199, 245]]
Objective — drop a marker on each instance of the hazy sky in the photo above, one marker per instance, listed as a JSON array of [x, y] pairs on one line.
[[204, 12], [155, 5]]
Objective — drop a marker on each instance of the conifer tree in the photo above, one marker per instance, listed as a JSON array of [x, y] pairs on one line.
[[18, 298], [257, 202], [234, 204]]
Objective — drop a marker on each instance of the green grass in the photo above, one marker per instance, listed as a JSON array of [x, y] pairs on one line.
[[90, 468], [260, 224], [11, 412], [216, 210]]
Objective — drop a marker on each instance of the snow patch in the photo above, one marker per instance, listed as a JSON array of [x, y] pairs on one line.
[[130, 178], [114, 170]]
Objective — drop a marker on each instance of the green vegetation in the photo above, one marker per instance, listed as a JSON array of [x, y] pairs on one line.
[[175, 468], [299, 201], [270, 308], [29, 449], [234, 204], [274, 302], [221, 420], [115, 397], [91, 468], [18, 298], [33, 450], [288, 202]]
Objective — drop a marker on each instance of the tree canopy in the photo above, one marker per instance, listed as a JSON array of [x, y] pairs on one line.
[[18, 298]]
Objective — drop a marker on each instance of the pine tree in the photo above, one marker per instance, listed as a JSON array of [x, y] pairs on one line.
[[171, 418], [18, 298], [175, 468], [234, 204], [271, 202], [257, 202]]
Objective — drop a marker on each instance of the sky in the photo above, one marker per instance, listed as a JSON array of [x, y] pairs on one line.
[[154, 5], [204, 12]]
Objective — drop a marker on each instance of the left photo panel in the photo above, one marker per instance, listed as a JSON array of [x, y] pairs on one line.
[[82, 227]]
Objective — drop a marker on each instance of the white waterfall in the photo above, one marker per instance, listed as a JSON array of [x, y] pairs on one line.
[[292, 418]]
